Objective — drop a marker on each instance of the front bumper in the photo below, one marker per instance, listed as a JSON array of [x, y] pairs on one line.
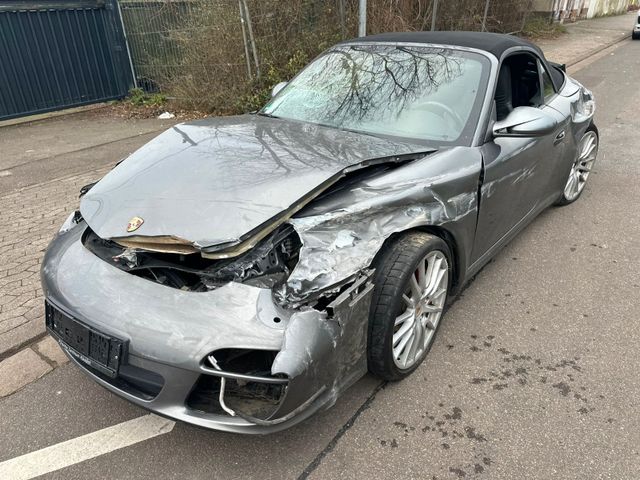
[[171, 332]]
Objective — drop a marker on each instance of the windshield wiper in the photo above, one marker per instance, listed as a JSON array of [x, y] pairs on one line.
[[269, 115], [352, 130]]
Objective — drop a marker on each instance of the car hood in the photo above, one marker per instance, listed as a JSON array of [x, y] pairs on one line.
[[218, 181]]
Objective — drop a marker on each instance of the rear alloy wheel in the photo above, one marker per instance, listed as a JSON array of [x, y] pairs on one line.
[[581, 168], [412, 283]]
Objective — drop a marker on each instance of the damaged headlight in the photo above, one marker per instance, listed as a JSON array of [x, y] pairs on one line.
[[267, 265]]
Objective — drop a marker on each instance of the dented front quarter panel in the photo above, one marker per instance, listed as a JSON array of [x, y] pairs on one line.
[[342, 233]]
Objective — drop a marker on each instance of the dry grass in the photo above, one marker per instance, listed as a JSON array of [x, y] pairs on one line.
[[539, 28]]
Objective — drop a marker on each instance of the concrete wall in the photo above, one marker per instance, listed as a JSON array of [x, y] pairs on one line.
[[572, 10], [608, 7]]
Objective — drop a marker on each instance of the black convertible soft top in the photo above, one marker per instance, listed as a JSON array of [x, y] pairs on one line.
[[494, 43]]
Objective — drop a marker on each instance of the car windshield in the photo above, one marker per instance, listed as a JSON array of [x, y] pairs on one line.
[[419, 93]]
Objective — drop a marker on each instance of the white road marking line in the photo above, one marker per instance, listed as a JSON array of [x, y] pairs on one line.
[[83, 448]]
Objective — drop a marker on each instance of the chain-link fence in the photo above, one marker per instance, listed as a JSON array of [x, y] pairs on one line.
[[223, 56]]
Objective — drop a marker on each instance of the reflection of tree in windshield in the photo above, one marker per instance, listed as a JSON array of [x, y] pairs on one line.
[[381, 81], [355, 82], [415, 92]]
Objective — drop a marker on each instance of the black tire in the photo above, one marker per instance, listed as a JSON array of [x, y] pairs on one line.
[[563, 200], [634, 36], [394, 265]]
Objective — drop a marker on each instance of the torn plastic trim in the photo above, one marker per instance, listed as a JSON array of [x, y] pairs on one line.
[[241, 376], [160, 244], [323, 352], [325, 349], [361, 286], [334, 349], [223, 382], [288, 416], [283, 297]]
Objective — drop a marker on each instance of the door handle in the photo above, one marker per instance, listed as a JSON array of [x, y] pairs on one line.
[[559, 137]]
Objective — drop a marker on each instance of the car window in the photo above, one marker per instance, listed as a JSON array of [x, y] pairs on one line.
[[518, 84], [419, 93], [547, 84], [557, 75]]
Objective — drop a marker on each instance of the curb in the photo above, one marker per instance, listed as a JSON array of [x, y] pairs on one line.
[[11, 351], [29, 365], [584, 56], [37, 117]]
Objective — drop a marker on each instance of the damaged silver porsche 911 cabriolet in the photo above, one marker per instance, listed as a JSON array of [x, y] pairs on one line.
[[239, 273]]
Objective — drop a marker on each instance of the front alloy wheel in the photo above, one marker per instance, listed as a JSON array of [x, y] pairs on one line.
[[581, 168], [412, 281], [423, 304]]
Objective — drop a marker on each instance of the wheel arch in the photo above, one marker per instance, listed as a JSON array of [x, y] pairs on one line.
[[458, 264]]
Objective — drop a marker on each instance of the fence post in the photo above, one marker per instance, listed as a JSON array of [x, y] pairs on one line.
[[343, 29], [524, 15], [434, 14], [524, 21], [126, 44], [484, 17], [244, 38], [247, 17], [362, 18]]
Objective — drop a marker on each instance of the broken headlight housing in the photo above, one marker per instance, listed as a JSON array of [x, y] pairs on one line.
[[267, 265]]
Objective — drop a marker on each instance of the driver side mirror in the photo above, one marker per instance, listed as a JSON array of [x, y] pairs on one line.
[[276, 89], [525, 122]]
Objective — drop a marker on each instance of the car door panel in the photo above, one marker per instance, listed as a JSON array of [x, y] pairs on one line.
[[560, 145], [561, 106], [510, 167], [520, 173]]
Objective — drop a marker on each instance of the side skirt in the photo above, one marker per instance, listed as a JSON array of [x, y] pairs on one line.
[[510, 235]]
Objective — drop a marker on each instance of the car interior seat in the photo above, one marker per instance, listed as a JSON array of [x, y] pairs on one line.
[[504, 93]]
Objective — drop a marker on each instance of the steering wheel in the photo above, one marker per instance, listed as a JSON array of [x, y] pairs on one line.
[[440, 109]]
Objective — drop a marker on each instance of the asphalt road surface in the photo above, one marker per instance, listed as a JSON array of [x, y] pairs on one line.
[[534, 373]]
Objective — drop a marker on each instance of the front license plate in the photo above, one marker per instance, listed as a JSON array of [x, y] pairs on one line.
[[96, 349]]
